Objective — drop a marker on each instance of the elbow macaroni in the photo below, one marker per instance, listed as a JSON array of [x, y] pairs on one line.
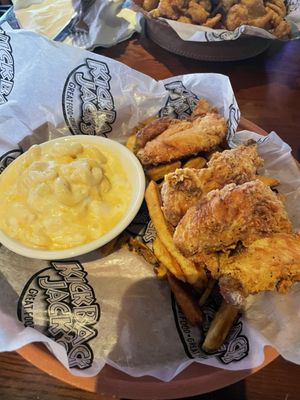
[[63, 194]]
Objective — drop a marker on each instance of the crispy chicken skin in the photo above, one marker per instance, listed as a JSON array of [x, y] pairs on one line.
[[151, 131], [185, 187], [183, 138], [180, 191], [271, 263], [203, 107], [197, 12], [236, 213], [171, 9]]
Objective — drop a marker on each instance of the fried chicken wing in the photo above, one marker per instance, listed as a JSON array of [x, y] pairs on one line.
[[185, 187], [236, 16], [184, 138], [236, 213], [248, 12], [197, 12], [212, 22], [171, 8], [271, 263], [281, 28]]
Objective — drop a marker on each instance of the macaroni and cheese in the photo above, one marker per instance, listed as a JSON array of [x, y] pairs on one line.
[[63, 194]]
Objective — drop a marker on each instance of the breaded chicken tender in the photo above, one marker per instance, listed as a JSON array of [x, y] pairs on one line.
[[183, 138], [271, 263], [151, 131], [234, 214], [185, 187]]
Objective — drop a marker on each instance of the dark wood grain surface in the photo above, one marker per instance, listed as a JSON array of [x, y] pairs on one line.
[[267, 89]]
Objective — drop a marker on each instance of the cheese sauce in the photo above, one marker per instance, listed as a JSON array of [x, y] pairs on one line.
[[63, 194]]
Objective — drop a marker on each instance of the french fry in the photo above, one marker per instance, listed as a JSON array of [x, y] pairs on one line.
[[167, 259], [189, 269], [205, 295], [267, 180], [185, 300], [130, 144], [197, 162], [137, 247], [220, 326], [161, 271], [158, 172]]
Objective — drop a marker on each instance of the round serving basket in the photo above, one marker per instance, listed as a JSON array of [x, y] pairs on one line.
[[160, 32], [227, 50], [195, 379]]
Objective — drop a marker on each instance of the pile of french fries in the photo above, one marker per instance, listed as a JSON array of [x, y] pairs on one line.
[[188, 281]]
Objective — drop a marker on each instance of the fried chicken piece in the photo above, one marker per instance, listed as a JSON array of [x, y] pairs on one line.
[[236, 16], [237, 166], [261, 22], [202, 108], [223, 6], [197, 12], [277, 6], [248, 12], [151, 131], [271, 263], [171, 9], [181, 190], [185, 20], [206, 4], [183, 138], [281, 28], [236, 213], [255, 8], [149, 5], [212, 22], [185, 187]]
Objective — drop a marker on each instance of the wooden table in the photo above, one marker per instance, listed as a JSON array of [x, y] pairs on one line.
[[267, 89]]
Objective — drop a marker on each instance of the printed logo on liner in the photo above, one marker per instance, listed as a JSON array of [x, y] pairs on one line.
[[87, 102], [235, 348], [180, 103], [6, 67], [59, 302], [9, 157]]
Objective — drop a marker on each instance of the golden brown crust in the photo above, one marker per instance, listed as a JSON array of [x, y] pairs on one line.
[[202, 108], [197, 12], [183, 138], [180, 191], [233, 214], [150, 131], [185, 187], [271, 263], [225, 14]]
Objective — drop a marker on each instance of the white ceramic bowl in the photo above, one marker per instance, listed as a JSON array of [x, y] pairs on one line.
[[136, 177]]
